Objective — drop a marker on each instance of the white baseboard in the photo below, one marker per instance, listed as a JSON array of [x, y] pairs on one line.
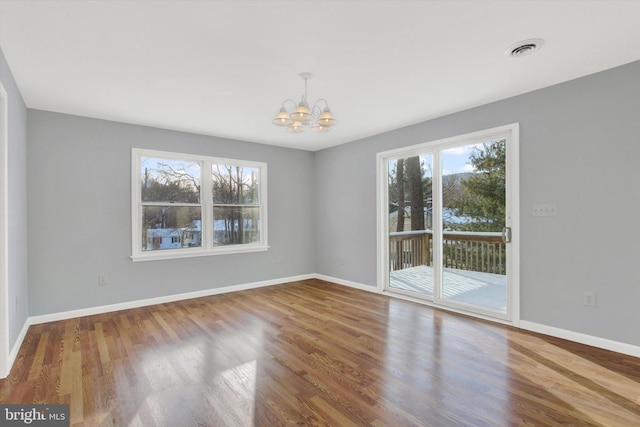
[[52, 317], [16, 346], [603, 343], [618, 347], [347, 283], [404, 297], [34, 320]]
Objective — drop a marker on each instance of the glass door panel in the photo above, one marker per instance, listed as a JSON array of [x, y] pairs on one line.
[[473, 253], [410, 219]]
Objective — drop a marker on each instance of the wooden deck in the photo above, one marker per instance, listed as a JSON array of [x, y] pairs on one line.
[[486, 290], [312, 353]]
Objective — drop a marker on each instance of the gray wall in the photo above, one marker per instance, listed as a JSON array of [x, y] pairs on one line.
[[17, 203], [580, 145], [79, 197]]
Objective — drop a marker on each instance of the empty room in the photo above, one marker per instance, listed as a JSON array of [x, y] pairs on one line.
[[332, 213]]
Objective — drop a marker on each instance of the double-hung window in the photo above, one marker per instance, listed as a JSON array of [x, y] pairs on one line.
[[187, 205]]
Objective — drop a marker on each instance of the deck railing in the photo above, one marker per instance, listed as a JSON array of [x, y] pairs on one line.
[[475, 251]]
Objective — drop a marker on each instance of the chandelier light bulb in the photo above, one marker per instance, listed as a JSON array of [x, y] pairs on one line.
[[319, 128], [296, 127], [302, 113], [326, 118], [283, 118]]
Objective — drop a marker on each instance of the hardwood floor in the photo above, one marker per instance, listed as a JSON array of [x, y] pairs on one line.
[[315, 353]]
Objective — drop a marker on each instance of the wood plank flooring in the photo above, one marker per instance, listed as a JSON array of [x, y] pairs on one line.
[[315, 353]]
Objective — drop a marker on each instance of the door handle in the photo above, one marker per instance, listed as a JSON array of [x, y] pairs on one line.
[[506, 234]]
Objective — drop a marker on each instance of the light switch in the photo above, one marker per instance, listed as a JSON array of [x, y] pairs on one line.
[[544, 210]]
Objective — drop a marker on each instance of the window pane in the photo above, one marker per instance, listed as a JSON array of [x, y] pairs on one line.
[[167, 180], [171, 227], [233, 225], [410, 193], [475, 175], [235, 184]]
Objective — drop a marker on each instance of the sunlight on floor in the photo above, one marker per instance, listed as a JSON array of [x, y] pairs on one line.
[[230, 395], [591, 385]]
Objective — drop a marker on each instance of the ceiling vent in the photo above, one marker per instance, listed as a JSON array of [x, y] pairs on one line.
[[524, 48]]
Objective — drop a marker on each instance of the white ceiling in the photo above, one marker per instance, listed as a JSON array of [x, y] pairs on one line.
[[223, 68]]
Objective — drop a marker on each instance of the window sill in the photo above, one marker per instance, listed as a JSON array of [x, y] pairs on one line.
[[197, 252]]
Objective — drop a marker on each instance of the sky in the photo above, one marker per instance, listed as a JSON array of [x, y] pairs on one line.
[[454, 160]]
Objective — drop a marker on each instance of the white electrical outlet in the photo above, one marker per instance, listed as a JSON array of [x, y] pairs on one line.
[[543, 210], [589, 299], [103, 280]]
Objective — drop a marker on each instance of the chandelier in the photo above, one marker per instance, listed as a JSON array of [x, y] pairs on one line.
[[304, 118]]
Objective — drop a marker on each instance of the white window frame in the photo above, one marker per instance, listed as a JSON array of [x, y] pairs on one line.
[[206, 201]]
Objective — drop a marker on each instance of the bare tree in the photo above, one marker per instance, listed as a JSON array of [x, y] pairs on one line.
[[416, 194], [230, 188], [400, 190]]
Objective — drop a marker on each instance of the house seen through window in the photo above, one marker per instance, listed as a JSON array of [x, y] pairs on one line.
[[188, 205]]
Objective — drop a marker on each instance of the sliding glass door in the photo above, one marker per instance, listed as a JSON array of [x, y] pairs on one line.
[[447, 209], [473, 243]]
